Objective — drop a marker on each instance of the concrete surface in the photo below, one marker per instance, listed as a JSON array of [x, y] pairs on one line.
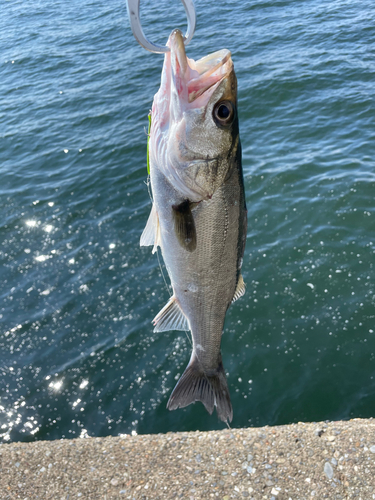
[[334, 460]]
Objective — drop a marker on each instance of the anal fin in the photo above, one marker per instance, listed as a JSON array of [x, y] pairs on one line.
[[151, 233], [170, 318], [240, 289]]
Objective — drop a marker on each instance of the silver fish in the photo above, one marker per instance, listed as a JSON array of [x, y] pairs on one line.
[[199, 216]]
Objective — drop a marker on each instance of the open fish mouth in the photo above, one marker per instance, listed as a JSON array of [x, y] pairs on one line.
[[212, 69], [195, 81], [181, 107]]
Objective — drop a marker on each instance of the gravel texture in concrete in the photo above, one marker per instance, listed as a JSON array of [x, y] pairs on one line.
[[334, 460]]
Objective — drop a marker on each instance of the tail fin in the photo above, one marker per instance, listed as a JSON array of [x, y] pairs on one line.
[[209, 387]]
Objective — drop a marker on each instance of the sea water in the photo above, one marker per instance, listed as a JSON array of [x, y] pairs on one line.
[[78, 356]]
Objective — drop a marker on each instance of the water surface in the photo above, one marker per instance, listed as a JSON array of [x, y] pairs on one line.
[[77, 294]]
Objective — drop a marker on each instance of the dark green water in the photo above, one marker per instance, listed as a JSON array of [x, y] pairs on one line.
[[77, 294]]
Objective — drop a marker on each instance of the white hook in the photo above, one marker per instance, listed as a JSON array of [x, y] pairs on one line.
[[135, 24]]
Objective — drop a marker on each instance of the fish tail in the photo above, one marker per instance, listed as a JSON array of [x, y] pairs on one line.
[[208, 386]]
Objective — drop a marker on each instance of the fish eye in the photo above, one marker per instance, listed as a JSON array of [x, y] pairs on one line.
[[224, 113]]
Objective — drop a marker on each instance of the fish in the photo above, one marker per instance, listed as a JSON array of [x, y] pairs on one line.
[[198, 216]]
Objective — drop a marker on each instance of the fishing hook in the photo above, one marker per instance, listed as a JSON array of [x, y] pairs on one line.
[[135, 24]]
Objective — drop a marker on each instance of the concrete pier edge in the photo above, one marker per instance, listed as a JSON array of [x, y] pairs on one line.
[[334, 460]]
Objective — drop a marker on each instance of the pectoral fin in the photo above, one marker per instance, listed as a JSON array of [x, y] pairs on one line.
[[151, 233], [170, 318], [240, 289], [184, 225]]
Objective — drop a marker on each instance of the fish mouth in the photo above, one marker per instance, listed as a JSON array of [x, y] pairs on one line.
[[195, 81]]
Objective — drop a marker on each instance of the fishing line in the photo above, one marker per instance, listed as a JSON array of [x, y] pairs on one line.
[[169, 292], [188, 337], [148, 184], [162, 273], [170, 295]]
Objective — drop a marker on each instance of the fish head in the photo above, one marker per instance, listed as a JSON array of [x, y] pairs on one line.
[[194, 126]]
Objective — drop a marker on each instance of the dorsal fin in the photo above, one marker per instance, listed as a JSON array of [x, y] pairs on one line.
[[184, 225], [170, 318], [151, 233], [240, 289]]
